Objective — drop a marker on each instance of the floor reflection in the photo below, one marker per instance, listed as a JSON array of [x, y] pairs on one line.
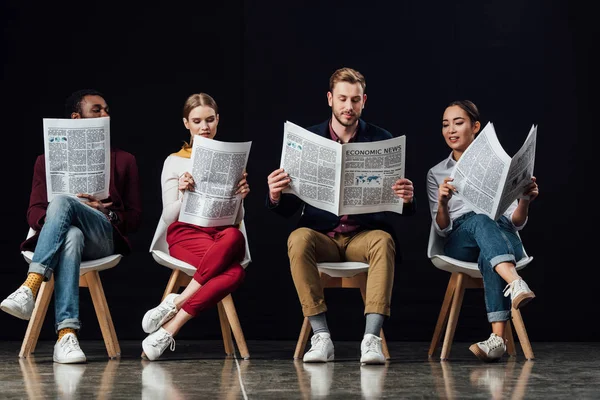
[[498, 380], [372, 379]]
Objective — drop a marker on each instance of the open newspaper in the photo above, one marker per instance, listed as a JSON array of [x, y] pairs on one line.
[[488, 179], [350, 178], [77, 153], [217, 168]]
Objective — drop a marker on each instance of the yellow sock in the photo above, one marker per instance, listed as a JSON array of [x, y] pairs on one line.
[[64, 331], [33, 282]]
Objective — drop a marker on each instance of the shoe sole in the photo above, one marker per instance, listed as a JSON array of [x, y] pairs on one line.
[[481, 354], [14, 313], [522, 300], [318, 361], [73, 361], [374, 362]]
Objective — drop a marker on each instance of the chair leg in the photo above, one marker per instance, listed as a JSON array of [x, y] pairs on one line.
[[453, 318], [103, 313], [522, 334], [37, 318], [443, 316], [302, 339], [173, 284], [225, 330], [234, 321], [384, 346], [510, 339]]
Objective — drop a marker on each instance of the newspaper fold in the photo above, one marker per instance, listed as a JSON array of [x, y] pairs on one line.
[[77, 153], [487, 178], [217, 168], [350, 178]]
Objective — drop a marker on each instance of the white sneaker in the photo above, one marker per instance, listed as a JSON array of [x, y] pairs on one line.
[[321, 348], [67, 377], [19, 303], [519, 292], [67, 350], [370, 350], [156, 343], [489, 350], [156, 317]]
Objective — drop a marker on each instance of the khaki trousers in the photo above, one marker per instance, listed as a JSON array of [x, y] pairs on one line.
[[307, 247]]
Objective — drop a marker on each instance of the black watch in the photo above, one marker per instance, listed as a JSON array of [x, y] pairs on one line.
[[112, 216]]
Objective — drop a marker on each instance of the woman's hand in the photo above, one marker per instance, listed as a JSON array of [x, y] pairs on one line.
[[532, 190], [243, 188], [445, 192], [186, 182]]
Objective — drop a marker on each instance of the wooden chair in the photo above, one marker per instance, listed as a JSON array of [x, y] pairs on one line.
[[339, 275], [466, 275], [88, 277], [182, 275]]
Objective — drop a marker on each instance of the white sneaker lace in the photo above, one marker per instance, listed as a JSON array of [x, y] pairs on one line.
[[165, 338], [162, 310], [494, 342], [71, 344], [20, 296], [317, 343], [372, 345], [514, 286]]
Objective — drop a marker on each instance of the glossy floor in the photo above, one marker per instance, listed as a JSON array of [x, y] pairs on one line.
[[199, 370]]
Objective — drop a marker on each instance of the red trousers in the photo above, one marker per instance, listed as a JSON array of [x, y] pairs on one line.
[[216, 253]]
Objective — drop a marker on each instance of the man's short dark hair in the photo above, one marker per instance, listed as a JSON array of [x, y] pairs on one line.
[[73, 102]]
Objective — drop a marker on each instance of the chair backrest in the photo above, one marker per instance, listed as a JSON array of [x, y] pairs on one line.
[[160, 250], [86, 266], [435, 252]]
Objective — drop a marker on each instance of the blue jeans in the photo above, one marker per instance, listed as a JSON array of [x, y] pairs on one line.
[[71, 233], [476, 237]]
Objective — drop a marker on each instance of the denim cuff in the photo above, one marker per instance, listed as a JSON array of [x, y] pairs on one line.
[[498, 316], [502, 258], [41, 269], [68, 323]]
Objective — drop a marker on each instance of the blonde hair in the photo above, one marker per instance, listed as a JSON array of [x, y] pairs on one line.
[[197, 100], [347, 75]]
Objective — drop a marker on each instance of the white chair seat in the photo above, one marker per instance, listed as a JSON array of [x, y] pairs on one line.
[[343, 269], [169, 261], [99, 264], [435, 252]]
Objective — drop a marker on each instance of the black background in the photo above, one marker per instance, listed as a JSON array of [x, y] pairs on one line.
[[522, 63]]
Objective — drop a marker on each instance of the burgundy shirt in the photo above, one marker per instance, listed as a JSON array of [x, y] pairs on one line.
[[347, 224], [124, 192]]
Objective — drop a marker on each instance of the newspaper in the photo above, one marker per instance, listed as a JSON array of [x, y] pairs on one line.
[[77, 153], [217, 168], [350, 178], [488, 179]]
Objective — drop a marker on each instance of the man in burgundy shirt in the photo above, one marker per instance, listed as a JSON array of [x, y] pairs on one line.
[[69, 230], [323, 236]]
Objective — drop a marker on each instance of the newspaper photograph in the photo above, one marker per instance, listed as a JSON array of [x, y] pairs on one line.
[[487, 178], [77, 153], [217, 168], [350, 178]]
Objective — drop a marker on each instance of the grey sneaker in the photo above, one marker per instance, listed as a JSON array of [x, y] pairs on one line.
[[519, 292], [19, 303], [67, 350], [156, 317], [156, 343], [371, 351], [489, 350], [321, 349]]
